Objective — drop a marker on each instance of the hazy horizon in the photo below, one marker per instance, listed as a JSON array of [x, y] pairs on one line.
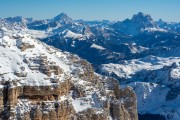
[[113, 10]]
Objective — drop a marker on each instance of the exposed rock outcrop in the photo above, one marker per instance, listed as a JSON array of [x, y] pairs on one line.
[[39, 82]]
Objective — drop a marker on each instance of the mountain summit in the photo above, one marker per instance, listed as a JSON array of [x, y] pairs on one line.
[[41, 82], [38, 81], [143, 20], [62, 18], [135, 25]]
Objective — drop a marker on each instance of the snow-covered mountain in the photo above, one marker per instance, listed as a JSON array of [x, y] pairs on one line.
[[41, 82], [139, 52], [155, 81], [135, 25], [18, 19], [62, 19], [171, 26]]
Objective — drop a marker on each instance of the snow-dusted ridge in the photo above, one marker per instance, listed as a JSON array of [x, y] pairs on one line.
[[139, 52], [13, 57], [156, 81], [38, 78]]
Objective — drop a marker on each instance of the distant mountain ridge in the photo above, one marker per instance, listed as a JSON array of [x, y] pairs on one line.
[[137, 23], [41, 82], [140, 52]]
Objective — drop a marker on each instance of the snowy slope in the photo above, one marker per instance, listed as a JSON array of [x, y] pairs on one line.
[[38, 70], [139, 52], [12, 61], [12, 58], [156, 81]]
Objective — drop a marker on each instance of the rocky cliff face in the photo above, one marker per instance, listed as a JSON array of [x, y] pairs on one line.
[[157, 88], [39, 82], [139, 52]]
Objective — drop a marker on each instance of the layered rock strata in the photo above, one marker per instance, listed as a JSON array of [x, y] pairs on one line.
[[39, 82]]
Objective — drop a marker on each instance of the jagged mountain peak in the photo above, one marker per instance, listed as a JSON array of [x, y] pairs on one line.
[[141, 14], [141, 17], [61, 15], [41, 80], [133, 50], [134, 26], [144, 19], [62, 18], [160, 20]]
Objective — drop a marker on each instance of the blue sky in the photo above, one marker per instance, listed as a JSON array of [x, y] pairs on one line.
[[168, 10]]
